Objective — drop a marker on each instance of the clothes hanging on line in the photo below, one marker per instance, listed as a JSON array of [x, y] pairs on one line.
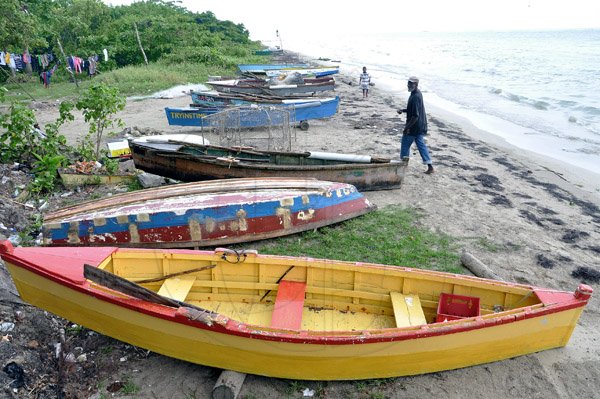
[[46, 75]]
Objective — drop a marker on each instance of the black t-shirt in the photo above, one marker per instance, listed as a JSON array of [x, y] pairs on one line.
[[415, 107]]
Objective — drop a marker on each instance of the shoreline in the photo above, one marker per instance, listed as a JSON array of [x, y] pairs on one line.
[[558, 170]]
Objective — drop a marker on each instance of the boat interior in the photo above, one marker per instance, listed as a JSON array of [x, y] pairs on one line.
[[274, 157], [317, 295]]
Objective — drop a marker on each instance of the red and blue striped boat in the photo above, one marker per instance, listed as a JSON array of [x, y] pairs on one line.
[[206, 213]]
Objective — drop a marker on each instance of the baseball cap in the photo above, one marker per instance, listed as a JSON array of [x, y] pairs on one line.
[[413, 79]]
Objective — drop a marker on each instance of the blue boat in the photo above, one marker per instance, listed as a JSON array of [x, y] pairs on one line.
[[190, 116], [217, 99], [268, 51], [318, 72], [261, 68], [301, 110]]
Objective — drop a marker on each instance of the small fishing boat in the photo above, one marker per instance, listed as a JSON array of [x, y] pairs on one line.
[[189, 116], [216, 99], [257, 114], [261, 68], [316, 71], [268, 51], [295, 318], [207, 213], [284, 90], [186, 162]]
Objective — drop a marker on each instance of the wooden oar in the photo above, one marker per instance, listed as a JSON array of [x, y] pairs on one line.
[[120, 284]]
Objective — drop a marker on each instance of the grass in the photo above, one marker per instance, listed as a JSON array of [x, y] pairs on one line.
[[129, 387], [387, 236], [130, 80], [488, 245]]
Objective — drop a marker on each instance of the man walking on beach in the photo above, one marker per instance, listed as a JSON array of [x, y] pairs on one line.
[[364, 81], [416, 125]]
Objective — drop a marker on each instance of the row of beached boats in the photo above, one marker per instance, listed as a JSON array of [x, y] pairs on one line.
[[292, 88], [118, 266]]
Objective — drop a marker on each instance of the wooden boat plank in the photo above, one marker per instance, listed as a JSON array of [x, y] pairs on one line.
[[407, 310], [287, 312], [177, 287], [252, 313]]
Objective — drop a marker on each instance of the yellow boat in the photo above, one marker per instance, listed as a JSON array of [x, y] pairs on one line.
[[297, 318]]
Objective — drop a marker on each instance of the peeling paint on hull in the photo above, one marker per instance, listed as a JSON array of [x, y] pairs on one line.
[[206, 213]]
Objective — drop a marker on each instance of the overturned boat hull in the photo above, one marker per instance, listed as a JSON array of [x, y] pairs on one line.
[[205, 213]]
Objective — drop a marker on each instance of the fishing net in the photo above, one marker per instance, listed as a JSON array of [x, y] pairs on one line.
[[264, 128]]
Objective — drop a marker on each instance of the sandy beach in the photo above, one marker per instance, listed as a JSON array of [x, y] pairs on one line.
[[530, 219]]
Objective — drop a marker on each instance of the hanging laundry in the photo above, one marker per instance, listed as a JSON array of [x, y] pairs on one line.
[[11, 62], [18, 62], [77, 64], [46, 75], [92, 64]]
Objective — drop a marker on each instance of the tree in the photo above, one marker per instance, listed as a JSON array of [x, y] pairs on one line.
[[99, 106]]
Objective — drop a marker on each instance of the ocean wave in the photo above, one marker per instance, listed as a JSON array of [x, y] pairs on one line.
[[542, 105], [587, 109]]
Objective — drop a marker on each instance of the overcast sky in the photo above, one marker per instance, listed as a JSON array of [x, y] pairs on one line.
[[262, 18]]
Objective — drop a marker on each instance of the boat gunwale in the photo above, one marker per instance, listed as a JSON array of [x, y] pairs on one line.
[[257, 166], [247, 330]]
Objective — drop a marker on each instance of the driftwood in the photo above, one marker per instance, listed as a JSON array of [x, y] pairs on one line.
[[477, 267], [228, 385]]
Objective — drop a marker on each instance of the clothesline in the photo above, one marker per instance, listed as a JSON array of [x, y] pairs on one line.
[[40, 62]]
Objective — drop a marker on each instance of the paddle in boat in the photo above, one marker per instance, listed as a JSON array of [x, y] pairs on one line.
[[295, 318], [209, 213]]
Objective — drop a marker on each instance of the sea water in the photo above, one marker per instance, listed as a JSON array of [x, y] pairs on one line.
[[540, 91]]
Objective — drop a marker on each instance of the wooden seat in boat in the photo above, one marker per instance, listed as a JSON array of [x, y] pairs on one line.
[[287, 312], [177, 287], [407, 310]]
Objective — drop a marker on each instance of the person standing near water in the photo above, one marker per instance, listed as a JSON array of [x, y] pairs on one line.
[[416, 125], [364, 81]]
